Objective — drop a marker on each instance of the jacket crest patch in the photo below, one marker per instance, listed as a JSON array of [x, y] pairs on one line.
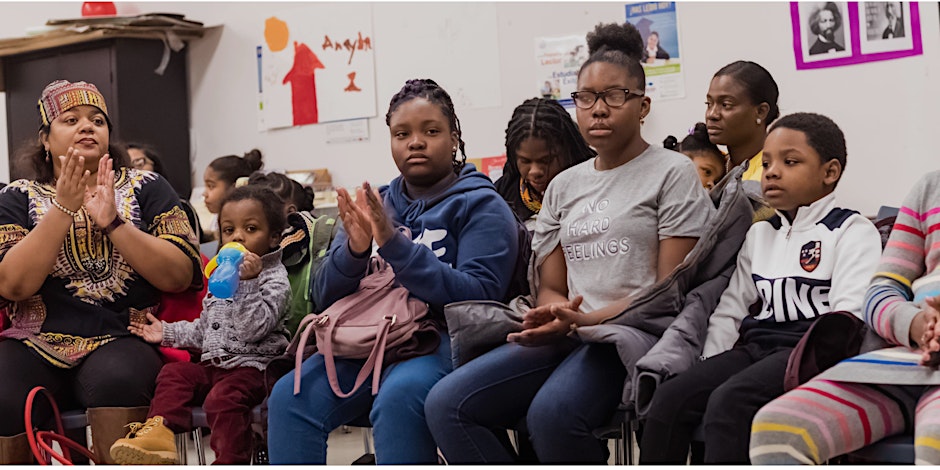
[[810, 254]]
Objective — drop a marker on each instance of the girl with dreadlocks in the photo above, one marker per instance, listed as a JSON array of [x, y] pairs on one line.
[[541, 141], [463, 246], [608, 228]]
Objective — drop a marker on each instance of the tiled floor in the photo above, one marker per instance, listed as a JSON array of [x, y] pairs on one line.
[[344, 447]]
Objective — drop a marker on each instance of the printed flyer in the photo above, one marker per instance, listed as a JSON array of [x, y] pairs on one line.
[[656, 22], [557, 63]]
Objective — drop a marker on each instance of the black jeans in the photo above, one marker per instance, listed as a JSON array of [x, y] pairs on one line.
[[723, 392], [120, 373]]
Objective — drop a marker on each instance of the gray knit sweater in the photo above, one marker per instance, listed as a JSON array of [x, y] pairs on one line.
[[244, 331]]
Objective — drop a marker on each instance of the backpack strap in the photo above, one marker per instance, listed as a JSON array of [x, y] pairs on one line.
[[311, 223], [373, 364], [321, 237]]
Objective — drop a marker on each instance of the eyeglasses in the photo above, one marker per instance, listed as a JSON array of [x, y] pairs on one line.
[[140, 163], [614, 97]]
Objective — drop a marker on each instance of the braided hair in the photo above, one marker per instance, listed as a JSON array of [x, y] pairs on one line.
[[431, 91], [618, 44], [544, 119]]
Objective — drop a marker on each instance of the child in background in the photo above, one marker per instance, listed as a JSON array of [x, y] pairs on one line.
[[220, 178], [305, 243], [296, 197], [541, 141], [710, 161], [810, 259], [145, 157], [237, 337]]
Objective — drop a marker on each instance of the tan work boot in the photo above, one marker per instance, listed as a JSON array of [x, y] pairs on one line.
[[149, 443], [108, 425], [14, 450]]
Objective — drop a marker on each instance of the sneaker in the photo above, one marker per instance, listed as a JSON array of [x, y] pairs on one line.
[[148, 443]]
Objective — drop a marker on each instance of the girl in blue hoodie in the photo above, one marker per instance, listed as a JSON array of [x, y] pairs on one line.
[[463, 246]]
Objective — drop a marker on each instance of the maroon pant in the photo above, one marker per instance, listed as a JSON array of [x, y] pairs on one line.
[[227, 396]]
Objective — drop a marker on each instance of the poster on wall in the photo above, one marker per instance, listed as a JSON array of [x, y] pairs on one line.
[[557, 61], [490, 166], [316, 64], [656, 22], [833, 34]]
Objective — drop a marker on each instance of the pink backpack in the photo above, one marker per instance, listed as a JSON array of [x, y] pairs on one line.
[[380, 315]]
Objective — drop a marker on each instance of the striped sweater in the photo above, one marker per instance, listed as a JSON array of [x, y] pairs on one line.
[[908, 271], [907, 274]]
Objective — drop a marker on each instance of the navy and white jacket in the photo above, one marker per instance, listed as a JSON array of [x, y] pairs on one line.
[[821, 263]]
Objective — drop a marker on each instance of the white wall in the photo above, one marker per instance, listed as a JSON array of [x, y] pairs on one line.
[[886, 109]]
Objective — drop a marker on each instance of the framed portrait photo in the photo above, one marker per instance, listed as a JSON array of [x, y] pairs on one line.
[[834, 34], [825, 30], [886, 26]]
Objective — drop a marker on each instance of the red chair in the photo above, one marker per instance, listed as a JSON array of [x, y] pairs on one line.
[[183, 306]]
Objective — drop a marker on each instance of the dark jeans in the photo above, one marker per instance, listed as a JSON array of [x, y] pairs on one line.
[[227, 396], [563, 390], [724, 392], [299, 425], [120, 373]]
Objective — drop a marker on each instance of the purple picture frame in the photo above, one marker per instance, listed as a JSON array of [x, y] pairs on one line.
[[855, 36]]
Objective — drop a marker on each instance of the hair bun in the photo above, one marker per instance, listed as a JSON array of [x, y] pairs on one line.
[[619, 37], [671, 142], [253, 159]]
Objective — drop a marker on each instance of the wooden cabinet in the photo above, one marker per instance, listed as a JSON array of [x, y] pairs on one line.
[[144, 107]]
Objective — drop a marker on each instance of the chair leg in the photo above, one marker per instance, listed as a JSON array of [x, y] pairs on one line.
[[367, 440], [181, 448], [626, 430], [200, 450]]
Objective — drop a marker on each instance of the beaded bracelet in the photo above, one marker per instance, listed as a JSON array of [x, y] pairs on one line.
[[55, 202]]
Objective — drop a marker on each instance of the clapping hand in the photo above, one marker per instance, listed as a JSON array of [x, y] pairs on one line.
[[382, 228], [356, 223], [99, 201], [73, 178]]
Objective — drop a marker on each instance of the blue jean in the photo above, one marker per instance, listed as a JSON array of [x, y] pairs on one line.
[[563, 390], [298, 426]]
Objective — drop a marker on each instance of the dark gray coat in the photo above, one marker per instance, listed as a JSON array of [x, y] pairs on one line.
[[677, 308]]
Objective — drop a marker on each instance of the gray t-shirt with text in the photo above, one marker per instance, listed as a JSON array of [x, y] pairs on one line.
[[609, 223]]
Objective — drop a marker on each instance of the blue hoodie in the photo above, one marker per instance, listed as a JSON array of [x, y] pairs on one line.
[[464, 246]]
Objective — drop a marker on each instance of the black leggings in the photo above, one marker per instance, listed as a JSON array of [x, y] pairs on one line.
[[120, 373]]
